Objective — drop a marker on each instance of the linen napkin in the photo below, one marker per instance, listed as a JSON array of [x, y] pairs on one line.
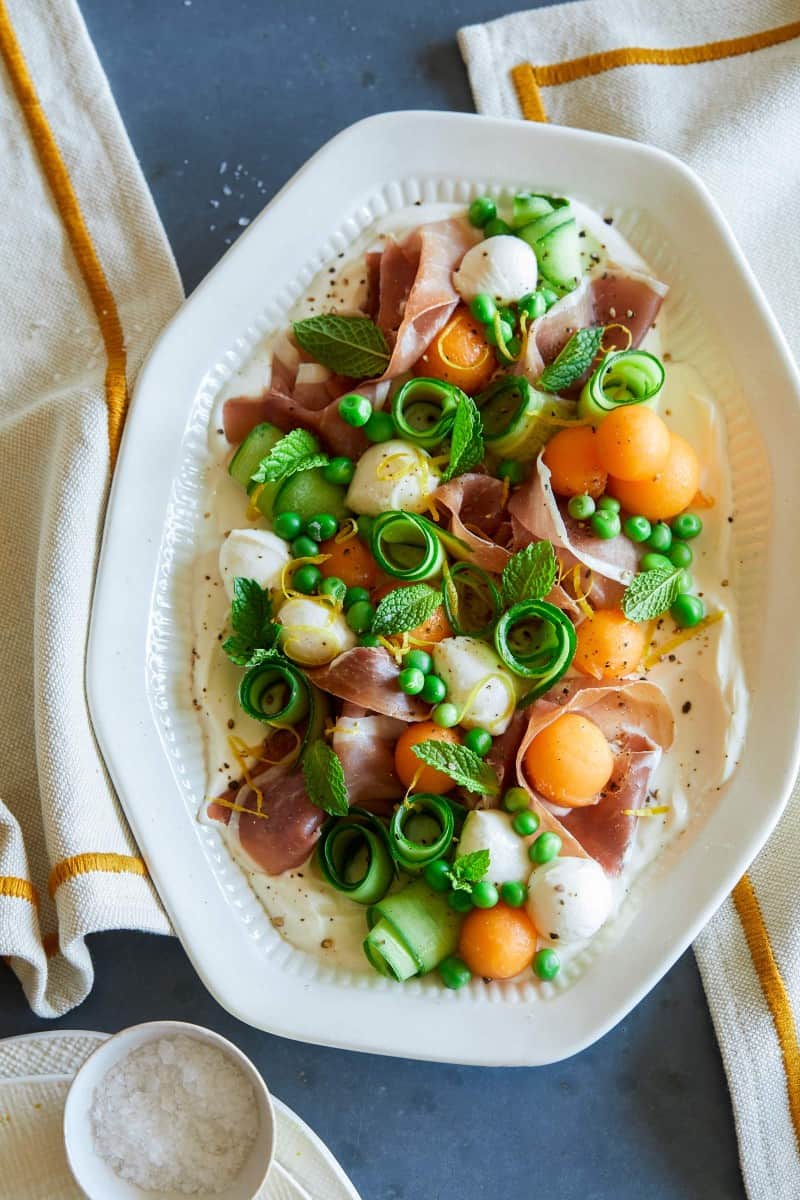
[[88, 280], [717, 84]]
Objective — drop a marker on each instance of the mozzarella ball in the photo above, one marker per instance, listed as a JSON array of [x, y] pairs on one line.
[[569, 899], [252, 554], [392, 475], [503, 267], [477, 682], [490, 829], [312, 631]]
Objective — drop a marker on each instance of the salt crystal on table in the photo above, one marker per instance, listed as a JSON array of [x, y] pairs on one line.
[[175, 1115]]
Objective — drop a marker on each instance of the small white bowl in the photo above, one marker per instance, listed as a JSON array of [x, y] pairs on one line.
[[96, 1177]]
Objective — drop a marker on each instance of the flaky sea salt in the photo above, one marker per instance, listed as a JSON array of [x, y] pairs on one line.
[[175, 1115]]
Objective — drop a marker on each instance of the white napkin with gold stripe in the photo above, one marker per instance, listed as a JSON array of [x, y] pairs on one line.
[[88, 282], [718, 84]]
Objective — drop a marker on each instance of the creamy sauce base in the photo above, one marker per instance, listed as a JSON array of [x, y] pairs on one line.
[[703, 679]]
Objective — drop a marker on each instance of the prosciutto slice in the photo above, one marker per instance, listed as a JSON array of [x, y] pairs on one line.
[[365, 744], [636, 720], [284, 837], [367, 675], [417, 297], [536, 513], [478, 517], [618, 295]]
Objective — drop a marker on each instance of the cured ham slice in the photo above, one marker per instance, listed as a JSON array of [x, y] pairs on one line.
[[367, 675], [284, 837], [537, 513], [636, 720], [617, 296], [365, 744], [417, 297], [478, 517]]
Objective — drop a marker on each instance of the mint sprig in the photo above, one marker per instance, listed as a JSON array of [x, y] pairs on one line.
[[405, 608], [651, 593], [297, 451], [351, 346], [469, 869], [251, 622], [576, 358], [324, 779], [463, 765], [529, 574], [466, 439]]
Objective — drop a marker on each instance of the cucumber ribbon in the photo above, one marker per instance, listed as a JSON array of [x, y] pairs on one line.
[[471, 600], [421, 831], [536, 641], [354, 856], [517, 419], [623, 377], [407, 546], [424, 410], [411, 932], [279, 694]]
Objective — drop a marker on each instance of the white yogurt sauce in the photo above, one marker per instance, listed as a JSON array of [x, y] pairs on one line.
[[702, 679]]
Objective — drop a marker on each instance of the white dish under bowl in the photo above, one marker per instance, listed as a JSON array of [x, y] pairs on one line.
[[96, 1177], [139, 656]]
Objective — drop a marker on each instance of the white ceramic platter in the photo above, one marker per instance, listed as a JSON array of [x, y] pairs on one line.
[[140, 645]]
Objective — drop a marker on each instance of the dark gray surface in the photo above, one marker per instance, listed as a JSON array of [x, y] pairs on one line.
[[645, 1113]]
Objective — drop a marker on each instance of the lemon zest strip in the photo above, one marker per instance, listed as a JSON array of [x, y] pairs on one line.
[[240, 808], [253, 511], [655, 811], [235, 743], [581, 596], [348, 531], [658, 652]]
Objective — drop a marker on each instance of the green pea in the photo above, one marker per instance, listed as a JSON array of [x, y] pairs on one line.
[[481, 210], [605, 524], [660, 538], [533, 305], [687, 526], [686, 582], [445, 715], [434, 689], [288, 525], [359, 616], [609, 504], [510, 469], [490, 333], [479, 741], [353, 595], [304, 547], [322, 527], [411, 681], [525, 823], [549, 296], [437, 875], [460, 901], [546, 964], [419, 659], [638, 529], [516, 799], [355, 410], [546, 846], [485, 894], [307, 579], [483, 308], [654, 562], [380, 427], [580, 508], [495, 227], [680, 555], [335, 587], [514, 894], [369, 639], [687, 611], [454, 973], [339, 470]]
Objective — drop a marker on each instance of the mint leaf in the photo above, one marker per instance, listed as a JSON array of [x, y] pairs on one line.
[[324, 778], [297, 451], [529, 574], [463, 766], [405, 608], [466, 439], [651, 593], [352, 346], [469, 869], [251, 621], [576, 357]]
